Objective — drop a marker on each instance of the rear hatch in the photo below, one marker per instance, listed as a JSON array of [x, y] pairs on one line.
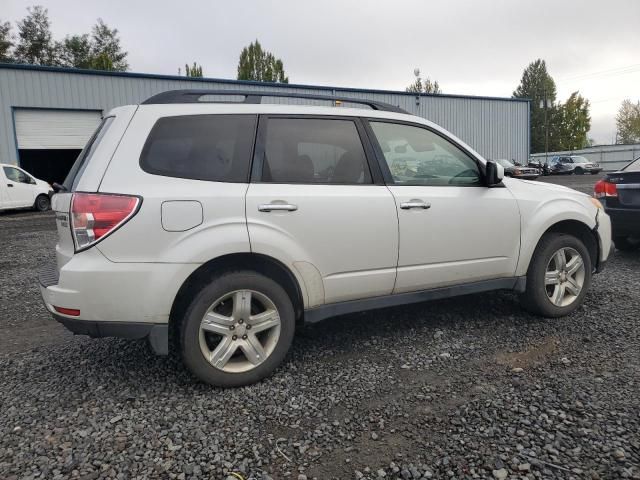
[[86, 174], [628, 185]]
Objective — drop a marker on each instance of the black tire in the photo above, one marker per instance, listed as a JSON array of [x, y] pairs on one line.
[[42, 203], [579, 171], [535, 298], [190, 350], [626, 244]]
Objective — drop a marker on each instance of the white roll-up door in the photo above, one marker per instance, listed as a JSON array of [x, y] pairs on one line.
[[54, 129]]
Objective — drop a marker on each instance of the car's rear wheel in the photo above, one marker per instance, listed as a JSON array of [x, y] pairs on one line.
[[626, 244], [237, 329], [559, 276], [42, 203]]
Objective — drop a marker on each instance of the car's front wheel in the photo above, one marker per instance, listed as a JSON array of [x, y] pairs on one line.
[[559, 276], [237, 329], [42, 203]]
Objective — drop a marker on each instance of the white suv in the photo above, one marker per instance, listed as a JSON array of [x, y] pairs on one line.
[[218, 227]]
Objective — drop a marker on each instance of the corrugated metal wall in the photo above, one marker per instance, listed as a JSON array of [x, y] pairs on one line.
[[497, 128], [610, 157]]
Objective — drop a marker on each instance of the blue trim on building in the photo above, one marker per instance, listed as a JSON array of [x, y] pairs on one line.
[[329, 89], [529, 127]]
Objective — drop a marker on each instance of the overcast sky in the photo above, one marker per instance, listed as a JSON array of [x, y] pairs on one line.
[[471, 47]]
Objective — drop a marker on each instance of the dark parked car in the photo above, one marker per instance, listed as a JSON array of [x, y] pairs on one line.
[[515, 171], [619, 192]]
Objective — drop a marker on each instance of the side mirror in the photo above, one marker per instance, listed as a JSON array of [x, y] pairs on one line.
[[494, 174]]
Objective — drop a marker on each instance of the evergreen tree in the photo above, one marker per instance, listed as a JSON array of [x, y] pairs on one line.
[[35, 45], [260, 65], [5, 42], [106, 51], [193, 71], [423, 86]]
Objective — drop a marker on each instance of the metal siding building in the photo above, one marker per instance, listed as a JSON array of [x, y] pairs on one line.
[[495, 127]]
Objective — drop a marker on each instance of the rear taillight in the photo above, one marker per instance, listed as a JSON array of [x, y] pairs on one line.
[[605, 189], [96, 215]]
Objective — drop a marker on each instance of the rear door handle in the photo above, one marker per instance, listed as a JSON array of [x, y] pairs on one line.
[[282, 207], [415, 204]]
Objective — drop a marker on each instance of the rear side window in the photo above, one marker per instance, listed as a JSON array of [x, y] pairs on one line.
[[83, 159], [216, 148], [310, 150]]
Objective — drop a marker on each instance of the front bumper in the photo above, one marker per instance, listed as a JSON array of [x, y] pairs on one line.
[[129, 300], [605, 241]]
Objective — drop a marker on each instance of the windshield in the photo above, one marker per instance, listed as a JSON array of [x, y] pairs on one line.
[[633, 166], [505, 163]]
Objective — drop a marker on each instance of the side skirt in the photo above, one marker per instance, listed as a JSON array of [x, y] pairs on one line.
[[317, 314]]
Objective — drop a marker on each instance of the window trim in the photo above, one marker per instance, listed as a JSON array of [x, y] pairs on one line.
[[260, 146], [151, 171], [388, 177]]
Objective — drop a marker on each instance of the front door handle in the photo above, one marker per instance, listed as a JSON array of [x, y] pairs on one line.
[[9, 184], [282, 207], [415, 204]]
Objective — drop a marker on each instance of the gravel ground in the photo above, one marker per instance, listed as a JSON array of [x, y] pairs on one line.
[[464, 388]]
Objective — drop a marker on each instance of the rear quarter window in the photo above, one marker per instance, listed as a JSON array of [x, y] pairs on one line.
[[215, 148]]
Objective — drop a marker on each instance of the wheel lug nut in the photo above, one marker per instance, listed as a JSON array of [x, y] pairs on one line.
[[244, 337], [248, 327], [232, 327], [235, 337], [240, 321]]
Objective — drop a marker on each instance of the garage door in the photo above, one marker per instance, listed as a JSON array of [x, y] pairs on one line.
[[54, 129]]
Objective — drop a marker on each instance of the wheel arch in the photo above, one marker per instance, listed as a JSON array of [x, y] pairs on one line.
[[263, 264], [577, 229]]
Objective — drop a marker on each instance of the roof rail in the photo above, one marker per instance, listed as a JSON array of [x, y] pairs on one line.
[[193, 96]]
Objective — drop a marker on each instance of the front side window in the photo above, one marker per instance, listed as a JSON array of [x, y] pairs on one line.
[[16, 175], [310, 150], [216, 148], [417, 156]]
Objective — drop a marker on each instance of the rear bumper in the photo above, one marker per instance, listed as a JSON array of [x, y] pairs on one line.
[[129, 300], [624, 221]]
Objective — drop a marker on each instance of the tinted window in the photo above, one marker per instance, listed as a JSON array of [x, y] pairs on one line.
[[314, 151], [83, 159], [417, 156], [16, 175], [201, 147]]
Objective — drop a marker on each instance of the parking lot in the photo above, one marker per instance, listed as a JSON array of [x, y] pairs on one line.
[[472, 387]]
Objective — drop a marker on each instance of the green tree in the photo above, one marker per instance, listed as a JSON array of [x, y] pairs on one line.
[[106, 51], [572, 123], [260, 65], [35, 43], [628, 122], [193, 71], [538, 86], [423, 86], [5, 42], [76, 51]]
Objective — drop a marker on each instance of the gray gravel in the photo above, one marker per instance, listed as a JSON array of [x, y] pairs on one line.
[[464, 388]]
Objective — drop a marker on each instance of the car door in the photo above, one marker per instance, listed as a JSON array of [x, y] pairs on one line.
[[315, 204], [20, 187], [453, 229]]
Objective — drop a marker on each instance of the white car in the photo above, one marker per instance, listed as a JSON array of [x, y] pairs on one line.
[[18, 189], [218, 227]]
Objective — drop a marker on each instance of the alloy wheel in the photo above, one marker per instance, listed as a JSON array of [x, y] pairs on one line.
[[564, 277], [239, 331]]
